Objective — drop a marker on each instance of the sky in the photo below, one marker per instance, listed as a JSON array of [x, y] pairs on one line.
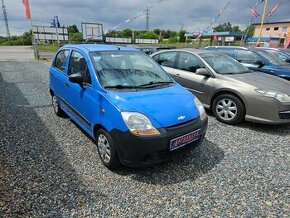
[[190, 15]]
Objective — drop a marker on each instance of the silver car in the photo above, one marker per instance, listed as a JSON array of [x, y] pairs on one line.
[[233, 92]]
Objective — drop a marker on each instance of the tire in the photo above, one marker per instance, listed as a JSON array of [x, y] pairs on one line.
[[228, 109], [56, 108], [107, 150]]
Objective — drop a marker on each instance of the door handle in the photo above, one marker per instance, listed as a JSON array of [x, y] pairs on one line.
[[66, 84]]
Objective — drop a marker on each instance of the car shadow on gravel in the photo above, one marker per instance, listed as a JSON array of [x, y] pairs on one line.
[[36, 178], [188, 166]]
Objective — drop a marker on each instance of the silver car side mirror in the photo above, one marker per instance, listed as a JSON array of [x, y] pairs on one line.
[[203, 72]]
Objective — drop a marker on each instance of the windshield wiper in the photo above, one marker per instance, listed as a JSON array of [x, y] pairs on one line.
[[156, 83], [120, 87]]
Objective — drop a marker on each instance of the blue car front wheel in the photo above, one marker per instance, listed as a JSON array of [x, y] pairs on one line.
[[107, 150]]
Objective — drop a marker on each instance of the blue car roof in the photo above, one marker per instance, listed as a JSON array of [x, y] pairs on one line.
[[100, 47]]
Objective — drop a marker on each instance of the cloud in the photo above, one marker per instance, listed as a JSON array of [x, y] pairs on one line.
[[191, 15]]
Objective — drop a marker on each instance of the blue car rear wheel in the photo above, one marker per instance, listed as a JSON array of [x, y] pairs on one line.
[[56, 108]]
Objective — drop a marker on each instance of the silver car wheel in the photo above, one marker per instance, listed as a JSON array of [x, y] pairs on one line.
[[55, 104], [104, 148], [226, 109]]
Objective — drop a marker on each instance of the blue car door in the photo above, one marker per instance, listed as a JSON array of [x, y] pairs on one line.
[[83, 99], [58, 75]]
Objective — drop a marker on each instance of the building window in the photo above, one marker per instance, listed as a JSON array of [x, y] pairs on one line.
[[285, 28], [268, 29], [276, 28]]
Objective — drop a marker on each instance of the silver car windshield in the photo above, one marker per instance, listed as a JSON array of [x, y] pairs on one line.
[[224, 64], [127, 69]]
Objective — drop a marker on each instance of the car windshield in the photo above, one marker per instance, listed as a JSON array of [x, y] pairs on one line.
[[224, 64], [272, 58], [128, 69]]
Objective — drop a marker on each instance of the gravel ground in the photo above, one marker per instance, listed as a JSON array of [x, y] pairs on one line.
[[50, 168]]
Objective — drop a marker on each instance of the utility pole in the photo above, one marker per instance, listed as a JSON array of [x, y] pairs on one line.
[[5, 19], [147, 19], [262, 23]]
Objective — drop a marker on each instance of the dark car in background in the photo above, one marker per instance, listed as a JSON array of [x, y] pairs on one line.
[[229, 89], [256, 59]]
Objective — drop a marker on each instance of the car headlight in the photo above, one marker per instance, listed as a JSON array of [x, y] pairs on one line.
[[283, 98], [200, 108], [139, 124]]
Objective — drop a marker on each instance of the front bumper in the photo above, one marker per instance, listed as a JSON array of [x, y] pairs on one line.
[[137, 151], [268, 111]]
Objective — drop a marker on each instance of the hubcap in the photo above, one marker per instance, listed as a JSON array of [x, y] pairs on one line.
[[55, 104], [104, 148], [226, 109]]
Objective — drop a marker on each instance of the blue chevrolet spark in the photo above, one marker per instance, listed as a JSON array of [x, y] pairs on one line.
[[136, 113]]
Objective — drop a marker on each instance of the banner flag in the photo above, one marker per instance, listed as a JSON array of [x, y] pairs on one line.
[[27, 9], [274, 9], [254, 12]]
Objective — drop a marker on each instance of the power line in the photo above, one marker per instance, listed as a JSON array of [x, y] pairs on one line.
[[5, 19]]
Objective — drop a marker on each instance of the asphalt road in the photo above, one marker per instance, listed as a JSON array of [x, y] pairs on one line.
[[20, 53], [50, 168]]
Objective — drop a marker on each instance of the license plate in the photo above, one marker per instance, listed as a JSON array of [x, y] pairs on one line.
[[185, 139]]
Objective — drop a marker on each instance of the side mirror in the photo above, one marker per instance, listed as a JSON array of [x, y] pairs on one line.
[[259, 63], [203, 72], [76, 78], [287, 60]]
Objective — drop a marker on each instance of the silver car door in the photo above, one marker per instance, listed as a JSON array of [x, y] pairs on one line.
[[199, 85]]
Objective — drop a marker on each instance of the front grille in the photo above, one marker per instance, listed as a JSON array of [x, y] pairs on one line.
[[182, 125], [284, 115]]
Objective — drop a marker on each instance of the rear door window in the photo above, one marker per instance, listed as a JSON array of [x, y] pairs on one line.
[[166, 59]]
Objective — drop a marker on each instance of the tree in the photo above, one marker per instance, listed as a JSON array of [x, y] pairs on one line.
[[76, 37], [182, 35], [127, 33], [236, 29], [26, 38], [226, 27], [72, 29], [147, 35], [249, 31], [157, 31], [113, 33]]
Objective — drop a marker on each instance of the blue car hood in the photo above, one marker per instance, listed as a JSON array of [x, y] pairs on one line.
[[163, 106]]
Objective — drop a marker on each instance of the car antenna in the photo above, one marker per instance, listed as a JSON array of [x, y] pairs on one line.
[[118, 47]]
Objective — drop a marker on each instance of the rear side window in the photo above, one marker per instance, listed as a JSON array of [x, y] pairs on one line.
[[78, 64], [244, 56], [189, 62], [229, 52], [60, 60], [166, 59]]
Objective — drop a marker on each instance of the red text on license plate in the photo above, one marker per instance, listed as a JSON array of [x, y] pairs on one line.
[[184, 140]]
